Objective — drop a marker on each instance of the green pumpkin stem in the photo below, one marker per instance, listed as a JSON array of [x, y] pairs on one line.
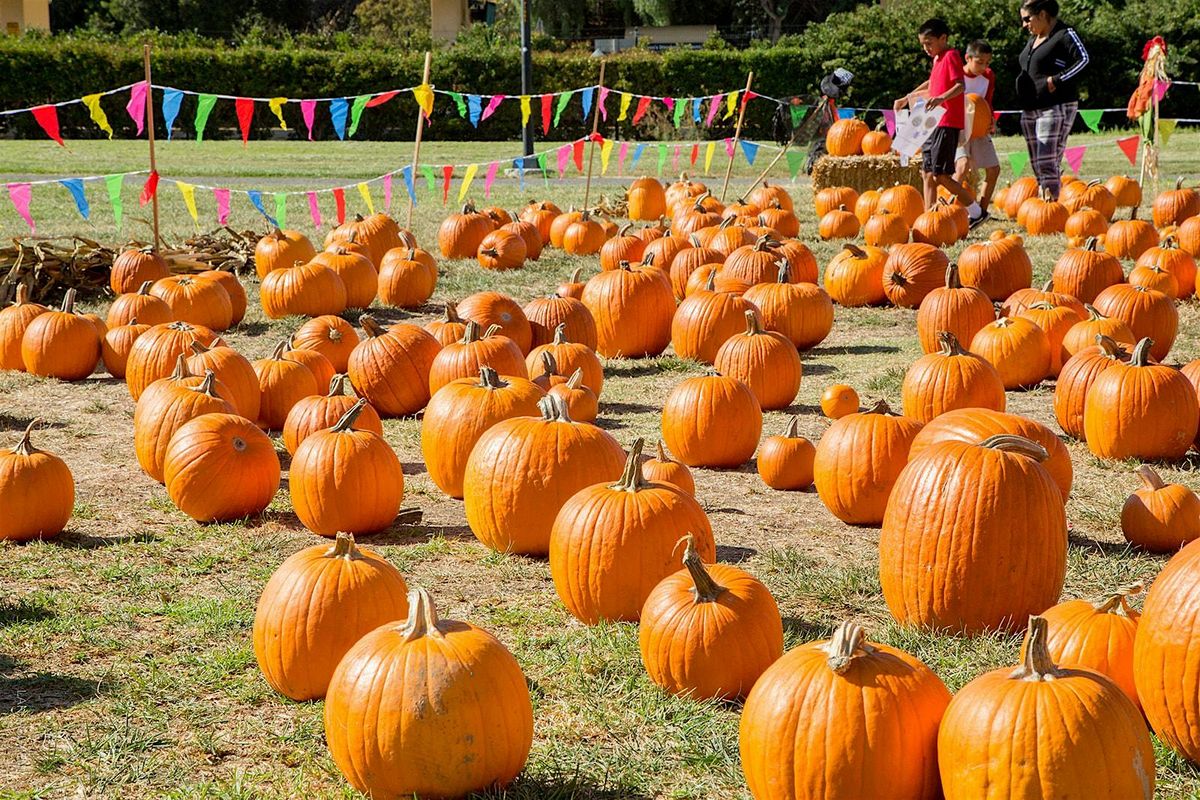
[[422, 616], [1036, 664], [348, 419], [25, 446], [848, 641], [1141, 353], [706, 589], [490, 379], [344, 548], [1008, 443], [631, 479]]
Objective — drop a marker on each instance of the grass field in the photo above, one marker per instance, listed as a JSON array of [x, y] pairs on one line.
[[126, 666]]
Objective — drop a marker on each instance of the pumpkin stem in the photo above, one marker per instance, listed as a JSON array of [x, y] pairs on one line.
[[491, 331], [785, 271], [451, 314], [1092, 244], [1120, 598], [343, 547], [648, 260], [371, 326], [1094, 314], [631, 479], [952, 279], [471, 334], [1037, 665], [490, 379], [1141, 352], [280, 349], [68, 303], [792, 431], [347, 421], [554, 409], [22, 295], [880, 407], [1008, 443], [855, 250], [144, 289], [661, 453], [206, 386], [848, 641], [560, 333], [422, 616], [181, 370], [337, 385], [710, 285], [950, 344], [706, 590], [549, 364], [625, 265], [576, 275], [1048, 286], [753, 328], [198, 347], [576, 379], [25, 446], [1150, 478]]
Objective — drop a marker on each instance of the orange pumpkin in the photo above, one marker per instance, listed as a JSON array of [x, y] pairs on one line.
[[912, 271], [494, 308], [633, 308], [904, 200], [146, 307], [405, 281], [132, 268], [845, 137], [1147, 312], [318, 412], [839, 400], [838, 224], [999, 266], [767, 362], [802, 312], [61, 344], [461, 233], [27, 472], [307, 290], [1178, 262], [1076, 378], [449, 328], [854, 277], [885, 228], [13, 321], [949, 379], [705, 320], [960, 310], [220, 467], [712, 421], [390, 368], [1129, 238], [1083, 333], [1173, 206], [462, 359], [1017, 348], [156, 352], [1160, 517], [546, 314], [785, 462], [357, 273], [501, 250]]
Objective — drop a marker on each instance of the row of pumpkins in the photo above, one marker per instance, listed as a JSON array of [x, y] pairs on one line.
[[852, 137], [483, 432]]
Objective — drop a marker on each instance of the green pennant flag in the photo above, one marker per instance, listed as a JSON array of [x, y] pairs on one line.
[[541, 159], [662, 158], [1165, 128], [430, 178], [795, 161], [1145, 121], [1018, 161], [1091, 118], [114, 184], [356, 111], [203, 108], [458, 101], [798, 115], [681, 104], [281, 209], [563, 99]]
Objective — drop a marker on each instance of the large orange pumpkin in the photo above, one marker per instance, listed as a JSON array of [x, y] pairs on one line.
[[948, 379], [712, 421], [1129, 238], [633, 308], [390, 368], [998, 266], [132, 268], [61, 344], [221, 467], [405, 280], [845, 137], [1084, 272], [912, 271], [767, 362], [1148, 313], [306, 290], [461, 233], [854, 277], [37, 492], [462, 359], [705, 320], [1017, 348], [1076, 377], [281, 249], [283, 383], [156, 352], [957, 309]]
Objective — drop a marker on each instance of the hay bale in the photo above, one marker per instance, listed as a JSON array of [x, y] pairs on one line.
[[864, 172]]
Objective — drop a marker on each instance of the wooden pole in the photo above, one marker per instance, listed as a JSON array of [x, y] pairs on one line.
[[150, 132], [770, 166], [587, 187], [737, 135], [420, 132]]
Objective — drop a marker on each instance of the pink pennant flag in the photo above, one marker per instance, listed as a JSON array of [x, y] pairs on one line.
[[1129, 146], [675, 159], [604, 90], [493, 168], [308, 109], [889, 119], [222, 198], [729, 146], [136, 107], [669, 102], [493, 104], [1160, 89], [1074, 157], [314, 210], [47, 117], [624, 151], [21, 194], [387, 192], [713, 107], [564, 156]]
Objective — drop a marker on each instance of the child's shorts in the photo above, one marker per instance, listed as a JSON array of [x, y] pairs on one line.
[[937, 154], [981, 152]]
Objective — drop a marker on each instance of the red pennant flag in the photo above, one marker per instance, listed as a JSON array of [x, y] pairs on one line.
[[381, 98], [747, 97], [547, 101], [996, 116], [1129, 146], [339, 200], [245, 113], [597, 138], [149, 189], [447, 174], [47, 117], [577, 155], [695, 153], [643, 104]]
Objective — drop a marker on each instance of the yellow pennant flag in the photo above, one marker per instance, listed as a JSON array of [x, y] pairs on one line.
[[92, 101], [605, 152], [365, 191], [424, 97], [626, 99], [189, 198], [468, 176], [525, 110], [708, 154], [276, 104], [1165, 128], [730, 104]]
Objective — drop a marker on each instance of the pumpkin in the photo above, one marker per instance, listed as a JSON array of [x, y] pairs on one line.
[[357, 272], [146, 307], [494, 308], [845, 137], [404, 281], [912, 271], [802, 312], [159, 415], [1084, 224], [705, 319], [974, 537], [462, 359], [37, 491], [1171, 258], [281, 249], [13, 322], [569, 356], [390, 368], [1164, 654], [633, 308], [116, 345], [756, 263], [979, 112], [1084, 272], [233, 287], [723, 239], [683, 190], [784, 222], [1147, 312], [1129, 238], [688, 262], [460, 234], [1000, 266], [646, 199], [529, 235], [1018, 192], [318, 364], [712, 421], [233, 372], [936, 227], [949, 379], [884, 229], [838, 224], [1173, 206], [1160, 517], [61, 344], [318, 412], [954, 308], [903, 200], [1087, 635], [1126, 191], [1055, 321], [1022, 300], [854, 277], [584, 236], [283, 382], [1017, 348], [413, 676], [876, 143], [709, 632], [1044, 730], [1152, 276], [329, 335], [306, 290], [547, 314], [768, 194], [450, 328], [131, 268], [611, 544], [661, 252], [1095, 195], [867, 204], [765, 361], [829, 198], [1078, 373], [522, 470], [372, 236], [501, 250], [622, 247], [1041, 216], [580, 400], [541, 216], [1188, 236], [785, 461], [156, 351], [869, 726], [838, 400], [1083, 333], [973, 425]]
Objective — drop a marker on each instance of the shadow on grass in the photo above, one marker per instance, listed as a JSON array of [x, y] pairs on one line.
[[40, 691], [855, 349], [413, 468], [728, 554], [816, 368], [629, 408], [1107, 549], [19, 422], [414, 534], [73, 540], [801, 630], [19, 612], [561, 787]]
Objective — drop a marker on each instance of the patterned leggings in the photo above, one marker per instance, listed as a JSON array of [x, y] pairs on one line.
[[1046, 132]]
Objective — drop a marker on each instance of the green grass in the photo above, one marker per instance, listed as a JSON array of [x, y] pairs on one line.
[[126, 668]]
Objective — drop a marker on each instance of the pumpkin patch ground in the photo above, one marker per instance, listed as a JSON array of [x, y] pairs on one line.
[[127, 649]]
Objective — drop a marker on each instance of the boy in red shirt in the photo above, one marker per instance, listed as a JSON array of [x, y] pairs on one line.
[[980, 153], [944, 87]]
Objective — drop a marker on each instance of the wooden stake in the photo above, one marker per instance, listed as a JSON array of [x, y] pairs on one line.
[[587, 187], [737, 135], [770, 166], [420, 132], [150, 132]]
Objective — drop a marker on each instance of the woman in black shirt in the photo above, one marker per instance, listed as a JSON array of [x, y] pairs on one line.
[[1047, 88]]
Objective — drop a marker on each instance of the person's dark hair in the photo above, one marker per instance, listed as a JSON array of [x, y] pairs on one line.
[[934, 27], [1038, 6], [979, 48]]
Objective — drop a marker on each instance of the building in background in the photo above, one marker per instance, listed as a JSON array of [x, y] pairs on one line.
[[18, 16]]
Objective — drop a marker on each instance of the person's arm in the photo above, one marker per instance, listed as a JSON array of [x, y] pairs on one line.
[[1077, 59], [991, 76], [901, 102], [956, 88]]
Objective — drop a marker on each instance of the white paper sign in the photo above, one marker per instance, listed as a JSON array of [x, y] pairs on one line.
[[913, 127]]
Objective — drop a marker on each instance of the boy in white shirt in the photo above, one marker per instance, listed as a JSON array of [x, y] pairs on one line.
[[979, 153]]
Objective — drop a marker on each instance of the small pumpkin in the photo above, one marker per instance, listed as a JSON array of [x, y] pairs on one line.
[[405, 281], [1160, 517], [494, 308], [502, 250], [885, 228], [1129, 238], [29, 474], [1171, 258], [329, 335], [838, 400], [460, 234], [450, 328], [646, 199], [661, 468], [283, 383], [904, 200], [580, 400], [221, 467], [845, 137], [1076, 378], [117, 344], [159, 415], [1055, 321], [1084, 272], [13, 321], [233, 371], [584, 236], [570, 356], [785, 462], [705, 320], [1173, 206], [838, 224]]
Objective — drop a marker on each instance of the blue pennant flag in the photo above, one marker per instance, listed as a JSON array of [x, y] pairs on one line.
[[407, 172], [519, 165], [751, 151], [75, 187], [586, 96], [256, 199], [637, 153], [474, 108], [170, 108], [696, 102], [845, 113], [337, 112]]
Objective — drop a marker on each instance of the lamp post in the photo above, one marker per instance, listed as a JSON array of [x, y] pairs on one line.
[[527, 78]]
